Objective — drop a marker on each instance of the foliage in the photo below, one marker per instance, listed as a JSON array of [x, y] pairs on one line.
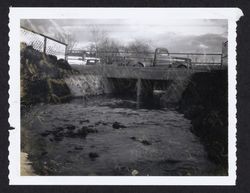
[[205, 102], [110, 50]]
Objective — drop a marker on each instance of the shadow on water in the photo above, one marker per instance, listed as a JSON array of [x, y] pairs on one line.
[[120, 101]]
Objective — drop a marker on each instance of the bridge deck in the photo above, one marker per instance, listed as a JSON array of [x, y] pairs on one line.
[[147, 73]]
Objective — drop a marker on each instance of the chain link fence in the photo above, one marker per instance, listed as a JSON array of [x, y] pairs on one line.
[[43, 43]]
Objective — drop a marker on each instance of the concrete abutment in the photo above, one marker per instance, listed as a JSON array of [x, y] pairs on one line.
[[141, 89]]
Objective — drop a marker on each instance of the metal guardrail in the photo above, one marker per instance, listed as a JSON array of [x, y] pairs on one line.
[[224, 56], [196, 58]]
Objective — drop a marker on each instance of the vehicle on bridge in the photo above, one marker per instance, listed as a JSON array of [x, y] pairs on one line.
[[92, 61], [160, 58], [82, 57]]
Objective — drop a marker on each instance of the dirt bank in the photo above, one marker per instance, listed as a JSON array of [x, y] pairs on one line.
[[205, 102], [42, 77]]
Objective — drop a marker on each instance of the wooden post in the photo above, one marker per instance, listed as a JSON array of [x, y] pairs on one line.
[[44, 45], [138, 92], [221, 60], [66, 53]]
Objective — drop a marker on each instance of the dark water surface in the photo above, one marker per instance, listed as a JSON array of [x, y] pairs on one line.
[[108, 136]]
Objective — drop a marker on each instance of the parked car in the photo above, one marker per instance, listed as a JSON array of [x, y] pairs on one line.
[[92, 61], [76, 60]]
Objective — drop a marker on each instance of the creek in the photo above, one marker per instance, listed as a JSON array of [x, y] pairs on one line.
[[109, 136]]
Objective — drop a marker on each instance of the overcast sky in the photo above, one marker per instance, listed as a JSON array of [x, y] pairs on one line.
[[176, 35]]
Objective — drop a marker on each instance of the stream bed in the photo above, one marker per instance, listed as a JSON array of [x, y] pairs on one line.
[[109, 136]]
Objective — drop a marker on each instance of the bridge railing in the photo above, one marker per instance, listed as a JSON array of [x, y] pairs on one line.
[[197, 59], [224, 55], [201, 58]]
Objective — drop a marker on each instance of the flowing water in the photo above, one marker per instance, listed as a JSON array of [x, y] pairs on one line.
[[109, 136]]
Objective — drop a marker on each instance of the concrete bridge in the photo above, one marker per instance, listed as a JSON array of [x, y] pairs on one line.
[[147, 73], [146, 79]]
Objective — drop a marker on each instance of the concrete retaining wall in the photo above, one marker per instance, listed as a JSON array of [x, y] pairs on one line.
[[85, 85], [173, 93]]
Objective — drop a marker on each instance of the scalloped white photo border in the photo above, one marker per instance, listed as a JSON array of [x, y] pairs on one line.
[[16, 14]]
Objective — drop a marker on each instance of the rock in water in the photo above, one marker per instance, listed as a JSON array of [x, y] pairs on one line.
[[44, 153], [58, 138], [145, 142], [117, 125], [134, 172], [70, 127], [82, 132], [78, 148], [93, 155], [84, 121], [89, 130], [45, 134]]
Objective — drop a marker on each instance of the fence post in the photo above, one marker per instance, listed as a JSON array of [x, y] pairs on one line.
[[44, 45], [138, 92], [66, 53], [221, 60]]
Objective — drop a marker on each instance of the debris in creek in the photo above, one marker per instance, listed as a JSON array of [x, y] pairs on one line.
[[84, 121], [117, 125], [93, 155], [134, 172], [143, 141], [78, 148]]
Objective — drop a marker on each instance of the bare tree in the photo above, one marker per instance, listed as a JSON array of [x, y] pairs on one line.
[[139, 48], [67, 38], [108, 49], [98, 36], [105, 47]]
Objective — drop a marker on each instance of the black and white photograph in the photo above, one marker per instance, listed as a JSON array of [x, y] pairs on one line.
[[125, 96]]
